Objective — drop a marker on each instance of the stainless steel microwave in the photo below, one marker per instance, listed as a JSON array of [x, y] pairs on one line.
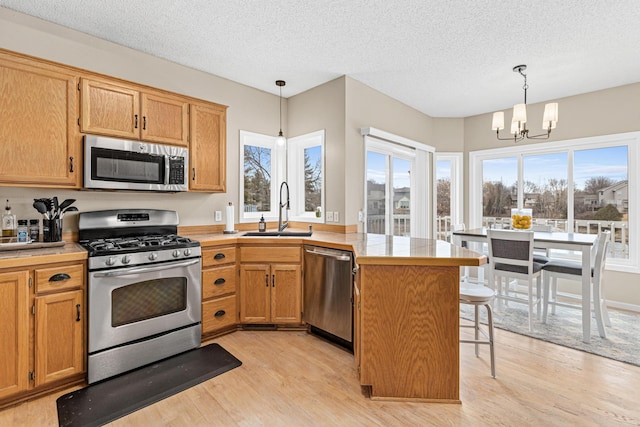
[[120, 164]]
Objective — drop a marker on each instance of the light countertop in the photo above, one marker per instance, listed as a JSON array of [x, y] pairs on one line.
[[368, 249]]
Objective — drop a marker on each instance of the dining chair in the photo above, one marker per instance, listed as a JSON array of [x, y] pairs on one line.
[[541, 255], [511, 257], [478, 295], [572, 270]]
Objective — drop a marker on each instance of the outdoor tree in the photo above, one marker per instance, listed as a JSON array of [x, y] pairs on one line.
[[497, 199], [257, 177], [312, 184], [597, 183], [443, 190]]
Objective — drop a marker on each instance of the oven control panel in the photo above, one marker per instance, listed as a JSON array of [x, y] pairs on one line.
[[141, 258]]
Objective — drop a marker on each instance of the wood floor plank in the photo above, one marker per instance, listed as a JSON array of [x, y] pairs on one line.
[[293, 378]]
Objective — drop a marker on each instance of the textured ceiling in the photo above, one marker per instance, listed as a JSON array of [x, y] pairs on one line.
[[448, 58]]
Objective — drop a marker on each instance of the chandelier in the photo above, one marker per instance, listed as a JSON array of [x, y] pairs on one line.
[[280, 140], [519, 121]]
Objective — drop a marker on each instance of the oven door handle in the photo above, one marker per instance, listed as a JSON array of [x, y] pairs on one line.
[[136, 270]]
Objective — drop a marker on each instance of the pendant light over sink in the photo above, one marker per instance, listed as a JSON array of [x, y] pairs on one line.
[[281, 139], [519, 121]]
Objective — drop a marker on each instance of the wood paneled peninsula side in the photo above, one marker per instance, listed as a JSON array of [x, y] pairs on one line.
[[406, 310]]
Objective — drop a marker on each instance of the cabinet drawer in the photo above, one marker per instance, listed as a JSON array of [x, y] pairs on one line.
[[215, 256], [218, 281], [270, 254], [219, 313], [59, 278]]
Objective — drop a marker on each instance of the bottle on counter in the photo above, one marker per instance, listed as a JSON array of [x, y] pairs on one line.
[[22, 231], [34, 229], [262, 225], [8, 222]]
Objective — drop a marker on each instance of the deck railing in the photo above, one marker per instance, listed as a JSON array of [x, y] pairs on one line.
[[619, 229]]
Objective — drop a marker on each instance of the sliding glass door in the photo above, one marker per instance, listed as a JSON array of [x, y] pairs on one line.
[[389, 189]]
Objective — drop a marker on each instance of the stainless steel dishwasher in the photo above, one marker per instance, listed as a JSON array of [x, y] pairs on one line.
[[328, 291]]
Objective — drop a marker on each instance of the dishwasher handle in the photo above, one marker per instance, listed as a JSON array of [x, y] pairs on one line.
[[339, 256]]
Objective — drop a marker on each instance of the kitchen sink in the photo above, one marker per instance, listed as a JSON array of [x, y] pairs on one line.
[[277, 233]]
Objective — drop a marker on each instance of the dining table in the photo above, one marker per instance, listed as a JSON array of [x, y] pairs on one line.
[[579, 242]]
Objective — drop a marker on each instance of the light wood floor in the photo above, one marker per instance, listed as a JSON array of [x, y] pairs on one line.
[[292, 378]]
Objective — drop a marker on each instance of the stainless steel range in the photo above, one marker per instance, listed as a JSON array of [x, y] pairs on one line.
[[144, 289]]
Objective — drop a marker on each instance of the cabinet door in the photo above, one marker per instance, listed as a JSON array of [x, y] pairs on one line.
[[39, 138], [164, 119], [59, 343], [110, 109], [208, 148], [286, 291], [255, 281], [14, 333]]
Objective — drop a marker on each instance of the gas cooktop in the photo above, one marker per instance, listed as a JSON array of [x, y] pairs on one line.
[[118, 245]]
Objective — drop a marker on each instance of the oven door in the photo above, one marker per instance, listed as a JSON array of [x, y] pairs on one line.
[[131, 165], [128, 304]]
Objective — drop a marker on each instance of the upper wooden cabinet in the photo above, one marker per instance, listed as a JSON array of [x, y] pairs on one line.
[[110, 108], [208, 149], [39, 137]]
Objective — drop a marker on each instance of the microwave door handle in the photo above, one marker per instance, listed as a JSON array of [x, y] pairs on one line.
[[137, 270], [167, 169]]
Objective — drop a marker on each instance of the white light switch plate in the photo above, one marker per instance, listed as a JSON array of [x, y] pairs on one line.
[[218, 215], [329, 216]]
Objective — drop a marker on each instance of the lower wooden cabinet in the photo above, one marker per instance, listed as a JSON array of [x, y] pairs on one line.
[[59, 344], [14, 333], [47, 303], [270, 292], [219, 313], [219, 304]]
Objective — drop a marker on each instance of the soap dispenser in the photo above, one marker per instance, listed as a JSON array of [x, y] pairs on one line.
[[262, 225]]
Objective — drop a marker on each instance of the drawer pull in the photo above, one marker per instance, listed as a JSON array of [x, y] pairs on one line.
[[219, 281], [220, 313], [60, 277], [219, 256]]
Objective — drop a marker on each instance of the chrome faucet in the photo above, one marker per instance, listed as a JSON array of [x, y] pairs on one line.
[[282, 226]]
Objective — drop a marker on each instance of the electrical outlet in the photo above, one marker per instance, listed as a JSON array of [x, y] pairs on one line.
[[360, 216], [329, 217], [218, 215], [336, 216]]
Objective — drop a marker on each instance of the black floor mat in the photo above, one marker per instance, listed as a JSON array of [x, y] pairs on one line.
[[105, 401]]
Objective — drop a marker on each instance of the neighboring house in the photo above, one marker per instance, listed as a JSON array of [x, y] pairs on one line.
[[401, 200], [589, 201], [616, 195]]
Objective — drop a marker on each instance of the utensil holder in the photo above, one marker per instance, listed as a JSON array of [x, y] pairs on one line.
[[51, 230]]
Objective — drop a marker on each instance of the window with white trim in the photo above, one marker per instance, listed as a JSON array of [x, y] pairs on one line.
[[262, 170], [582, 185], [305, 160], [448, 193]]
